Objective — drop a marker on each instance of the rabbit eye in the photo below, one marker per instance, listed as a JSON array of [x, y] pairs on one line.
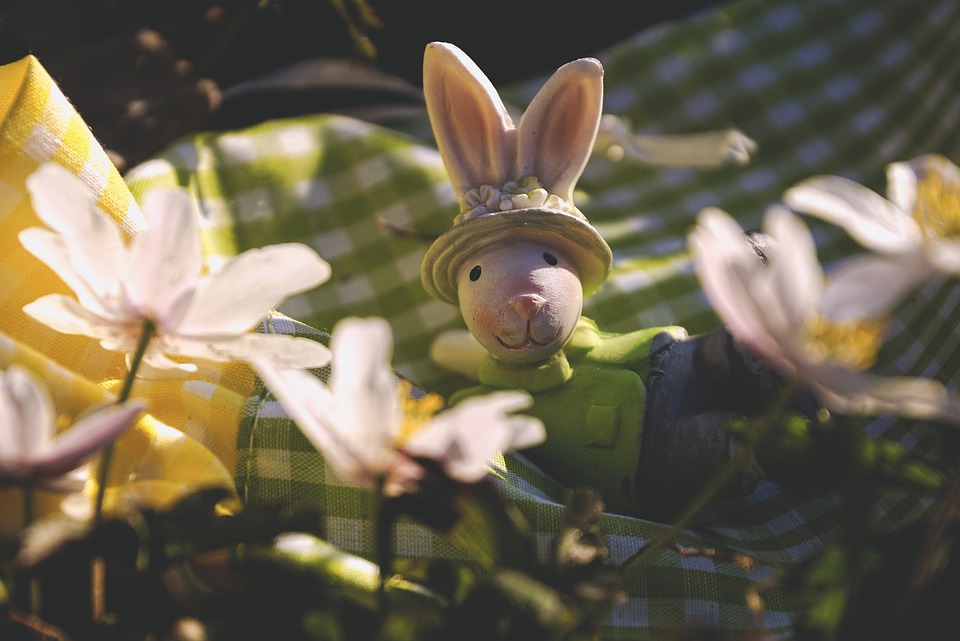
[[475, 273], [550, 258]]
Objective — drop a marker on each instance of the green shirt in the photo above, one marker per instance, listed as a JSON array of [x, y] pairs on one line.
[[591, 397]]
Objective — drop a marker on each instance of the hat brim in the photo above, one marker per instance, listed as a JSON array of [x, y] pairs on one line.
[[573, 235]]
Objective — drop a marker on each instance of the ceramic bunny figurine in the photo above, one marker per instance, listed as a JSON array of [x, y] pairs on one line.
[[638, 415]]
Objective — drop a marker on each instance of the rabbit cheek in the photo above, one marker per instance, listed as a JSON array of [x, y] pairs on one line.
[[492, 321], [556, 320]]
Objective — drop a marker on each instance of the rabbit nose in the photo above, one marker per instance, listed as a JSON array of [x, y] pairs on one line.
[[527, 305]]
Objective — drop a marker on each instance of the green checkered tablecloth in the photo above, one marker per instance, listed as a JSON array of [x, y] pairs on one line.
[[823, 86]]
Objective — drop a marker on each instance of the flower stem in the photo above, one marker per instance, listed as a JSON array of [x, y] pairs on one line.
[[98, 570], [29, 501], [149, 331], [29, 489], [383, 526], [98, 590]]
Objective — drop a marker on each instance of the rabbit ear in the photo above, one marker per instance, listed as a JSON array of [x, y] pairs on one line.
[[558, 129], [474, 132]]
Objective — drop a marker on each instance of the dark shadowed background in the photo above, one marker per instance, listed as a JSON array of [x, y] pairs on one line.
[[142, 73]]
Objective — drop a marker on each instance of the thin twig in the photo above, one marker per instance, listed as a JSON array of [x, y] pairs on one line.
[[403, 232], [37, 625], [98, 589]]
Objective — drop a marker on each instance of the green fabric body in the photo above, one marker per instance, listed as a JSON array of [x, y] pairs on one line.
[[822, 86], [591, 397]]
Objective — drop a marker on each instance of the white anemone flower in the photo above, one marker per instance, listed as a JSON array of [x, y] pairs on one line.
[[358, 422], [824, 332], [30, 447], [915, 230], [159, 278]]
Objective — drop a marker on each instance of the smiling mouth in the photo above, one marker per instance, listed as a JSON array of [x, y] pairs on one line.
[[529, 341]]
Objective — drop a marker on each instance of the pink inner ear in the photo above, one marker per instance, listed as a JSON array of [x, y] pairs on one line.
[[561, 161], [478, 141], [557, 132], [474, 132]]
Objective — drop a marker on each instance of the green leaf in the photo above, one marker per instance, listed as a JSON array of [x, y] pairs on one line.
[[324, 570], [450, 580], [830, 581], [508, 605], [199, 523], [784, 448], [895, 464], [475, 517], [827, 610], [323, 625], [490, 529]]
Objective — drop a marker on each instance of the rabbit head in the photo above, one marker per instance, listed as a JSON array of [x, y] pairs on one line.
[[520, 257]]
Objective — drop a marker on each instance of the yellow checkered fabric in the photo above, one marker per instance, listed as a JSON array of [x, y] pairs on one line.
[[187, 437]]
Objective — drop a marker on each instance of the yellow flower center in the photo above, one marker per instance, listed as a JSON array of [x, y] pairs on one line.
[[854, 344], [417, 410], [937, 210]]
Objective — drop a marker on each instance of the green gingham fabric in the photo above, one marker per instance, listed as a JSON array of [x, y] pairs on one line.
[[823, 86]]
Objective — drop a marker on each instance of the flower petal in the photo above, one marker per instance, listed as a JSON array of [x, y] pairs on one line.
[[72, 482], [51, 249], [902, 182], [310, 405], [706, 149], [870, 285], [233, 299], [464, 438], [872, 220], [279, 349], [66, 315], [725, 265], [65, 204], [903, 177], [944, 255], [155, 364], [166, 257], [74, 446], [27, 415], [362, 382], [797, 287], [404, 477], [845, 391]]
